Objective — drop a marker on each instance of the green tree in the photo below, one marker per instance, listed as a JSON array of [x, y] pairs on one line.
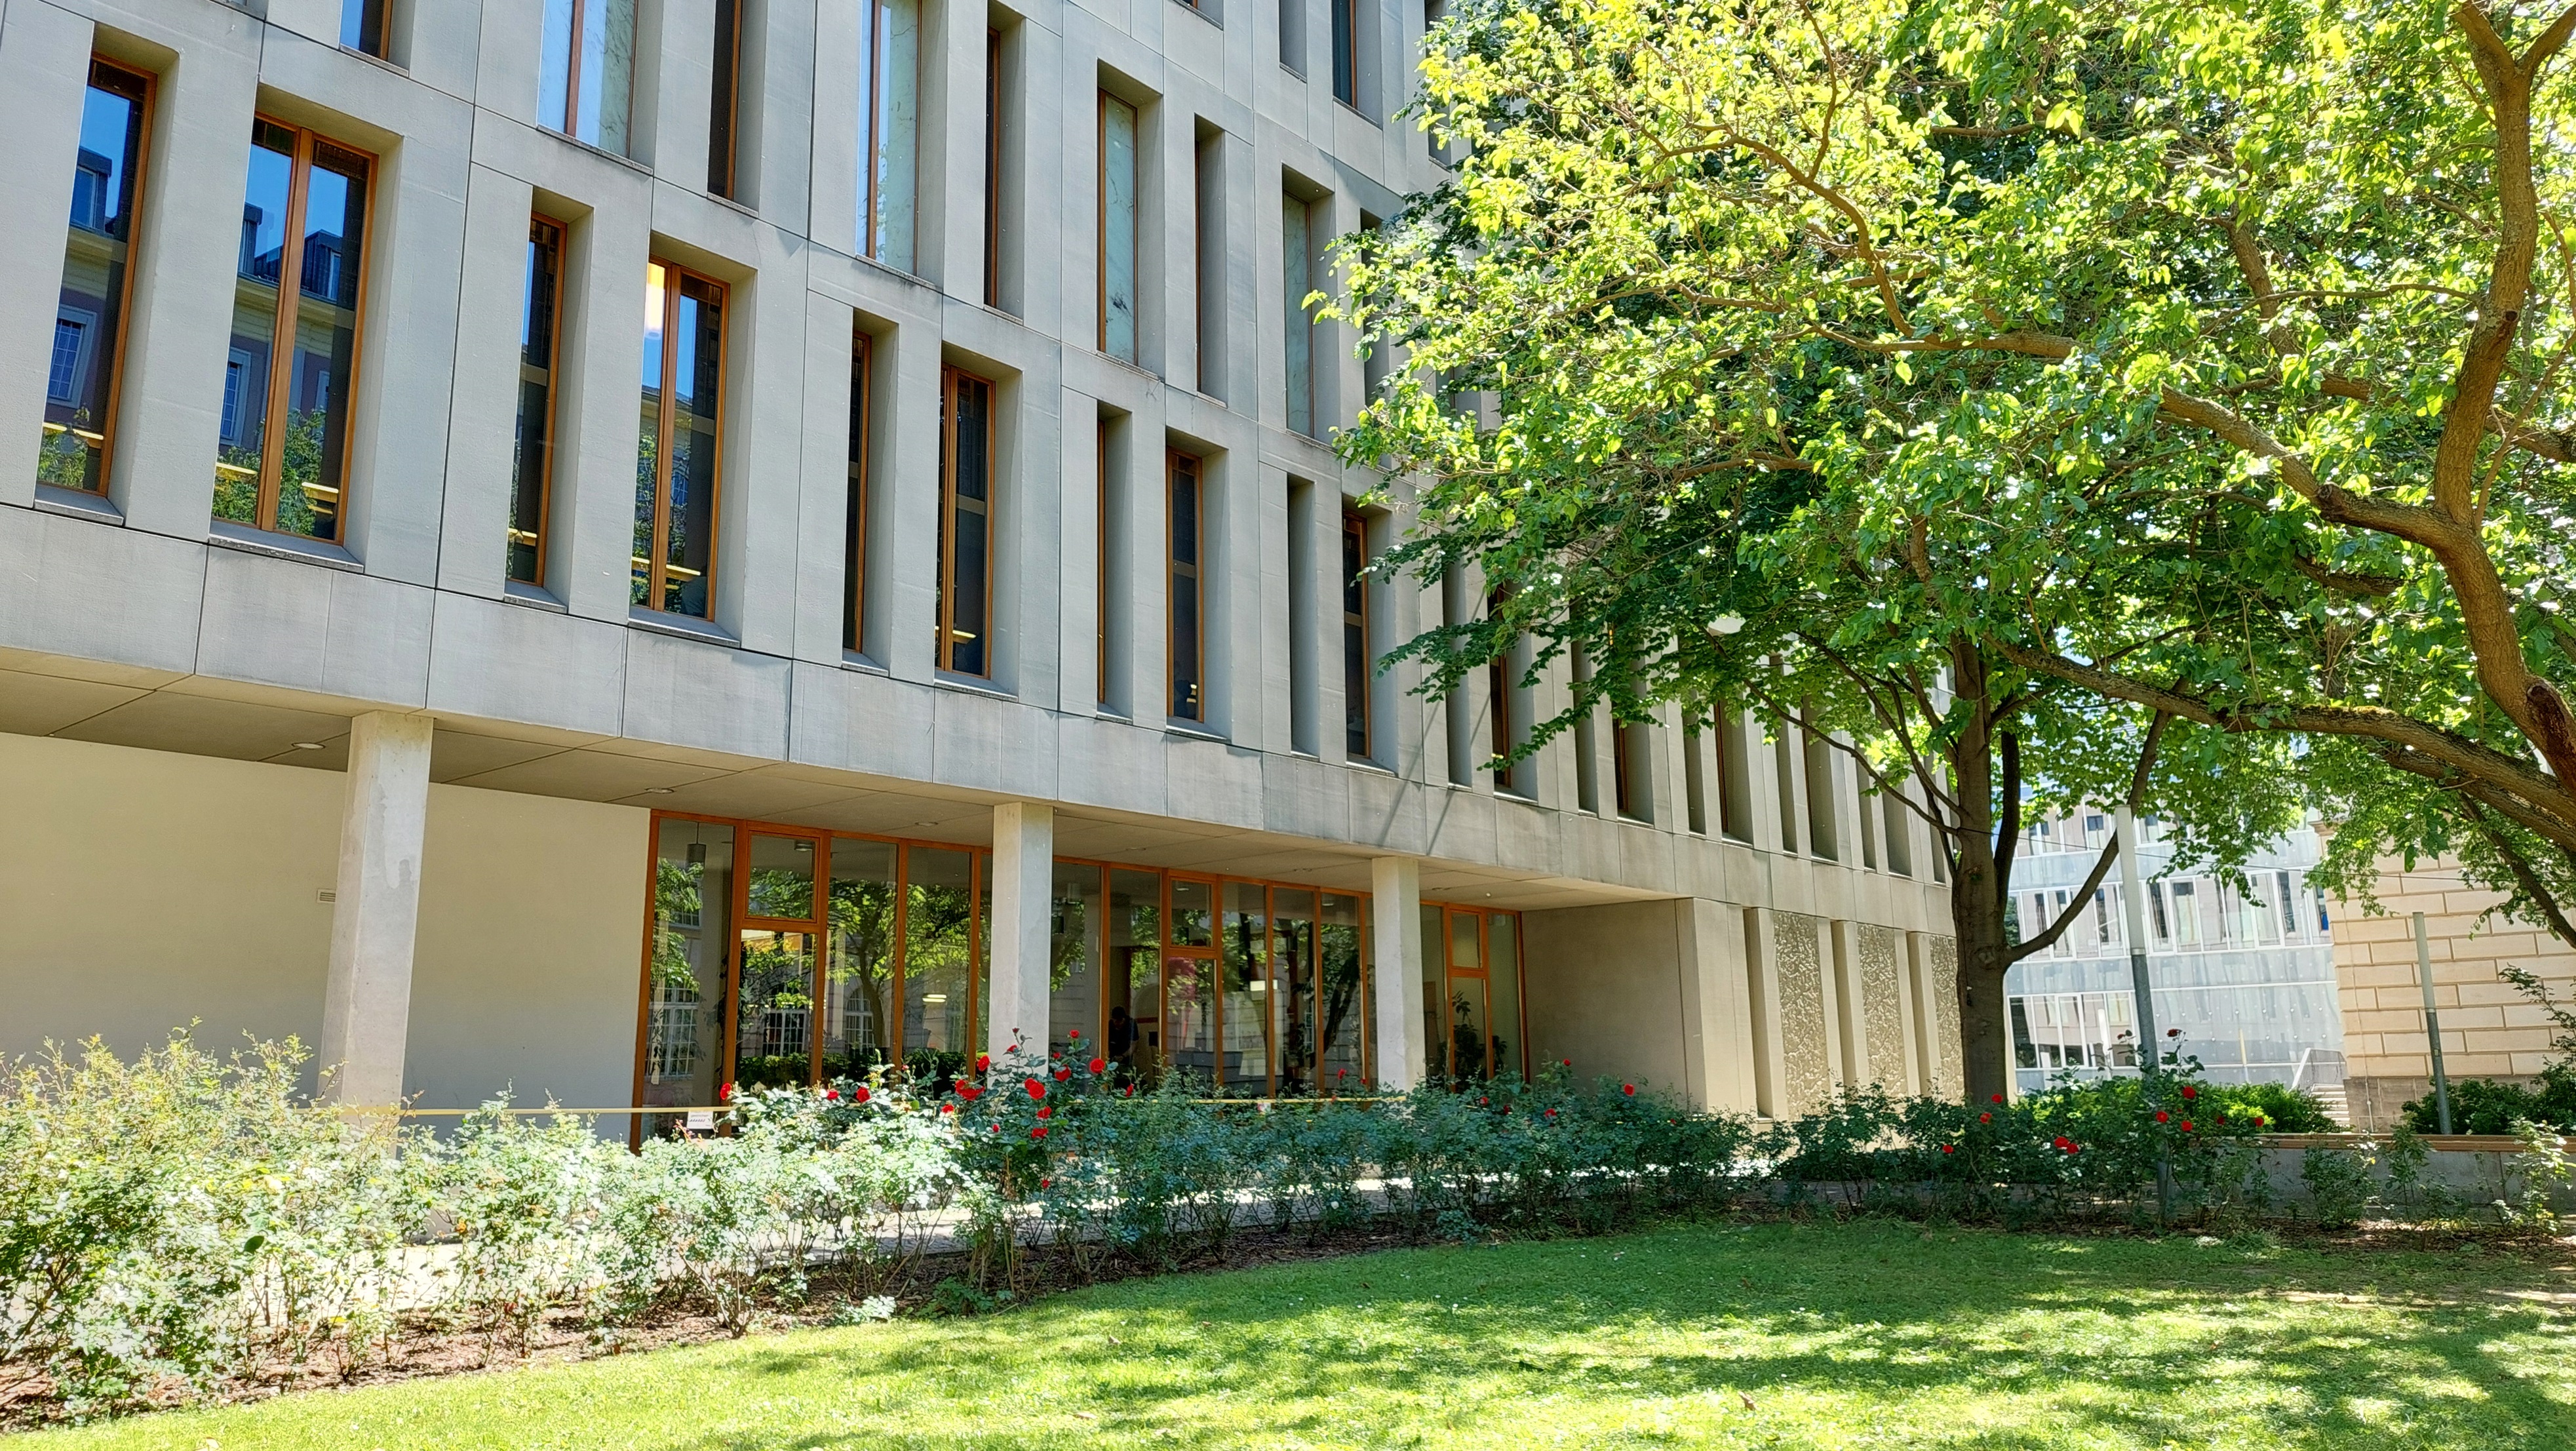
[[1692, 392]]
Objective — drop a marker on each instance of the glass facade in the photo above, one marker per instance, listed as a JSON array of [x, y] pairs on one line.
[[98, 253]]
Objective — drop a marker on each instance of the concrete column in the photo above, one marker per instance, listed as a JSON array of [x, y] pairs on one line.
[[366, 1005], [1931, 998], [1762, 987], [1015, 1001], [1717, 1017], [1851, 1012], [1395, 937]]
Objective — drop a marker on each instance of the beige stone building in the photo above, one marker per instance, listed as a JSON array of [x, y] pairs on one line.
[[2489, 1030]]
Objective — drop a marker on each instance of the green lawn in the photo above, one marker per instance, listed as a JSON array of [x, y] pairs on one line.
[[1842, 1336]]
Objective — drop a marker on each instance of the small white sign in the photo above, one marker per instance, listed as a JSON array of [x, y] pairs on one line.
[[702, 1120]]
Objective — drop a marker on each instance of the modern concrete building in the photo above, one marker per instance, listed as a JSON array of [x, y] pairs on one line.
[[2489, 1028], [2247, 976], [609, 547]]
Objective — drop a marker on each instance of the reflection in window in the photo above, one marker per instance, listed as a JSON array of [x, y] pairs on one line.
[[362, 25], [1292, 990], [302, 254], [1133, 994], [1117, 228], [773, 1044], [1345, 1011], [676, 473], [858, 981], [965, 523], [1355, 637], [586, 70], [890, 118], [940, 959], [532, 461], [80, 381], [685, 989], [1073, 962], [854, 526], [1245, 1010], [1186, 598]]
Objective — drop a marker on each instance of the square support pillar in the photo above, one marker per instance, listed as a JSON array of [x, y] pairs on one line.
[[1015, 999], [1395, 940], [1762, 989], [1851, 1013], [1717, 1008], [375, 913]]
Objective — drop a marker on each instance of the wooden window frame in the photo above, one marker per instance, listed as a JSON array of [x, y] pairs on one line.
[[950, 505], [1484, 972], [569, 122], [1174, 572], [657, 573], [724, 111], [545, 480], [854, 577], [384, 22], [1355, 582], [1345, 40], [139, 163], [992, 167], [290, 288]]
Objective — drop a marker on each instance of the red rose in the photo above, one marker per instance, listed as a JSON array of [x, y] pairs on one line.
[[2173, 1032], [2260, 1121], [1077, 1032], [1039, 1132], [2074, 1148], [1945, 1148], [1985, 1118], [725, 1094], [2162, 1116], [948, 1108], [1629, 1089], [2058, 1143], [1341, 1073], [983, 1061], [1035, 1088], [1131, 1090], [832, 1094], [2186, 1126], [2222, 1118], [1046, 1183], [1062, 1074], [859, 1094], [969, 1092], [1045, 1112], [2190, 1092], [1480, 1103], [1999, 1098], [1551, 1113], [1098, 1066], [1564, 1062]]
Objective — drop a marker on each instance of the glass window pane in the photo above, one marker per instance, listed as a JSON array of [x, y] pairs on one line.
[[774, 1043], [1503, 968], [554, 65], [80, 380], [1135, 987], [1292, 990], [782, 877], [685, 1002], [1193, 913], [532, 457], [1463, 952], [648, 448], [1465, 1044], [1296, 246], [1245, 1013], [697, 380], [938, 961], [894, 74], [1435, 994], [607, 73], [324, 375], [1189, 1015], [244, 433], [857, 1006], [1073, 962], [1117, 228], [1343, 1008]]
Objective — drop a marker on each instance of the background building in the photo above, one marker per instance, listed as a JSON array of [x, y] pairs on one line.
[[2248, 976], [2489, 1029], [611, 548]]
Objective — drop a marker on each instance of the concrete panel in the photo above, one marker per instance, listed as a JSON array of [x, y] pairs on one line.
[[1605, 990], [704, 694], [501, 661], [857, 720], [311, 628], [80, 588]]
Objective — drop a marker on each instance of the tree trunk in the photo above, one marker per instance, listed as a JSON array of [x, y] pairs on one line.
[[1979, 887]]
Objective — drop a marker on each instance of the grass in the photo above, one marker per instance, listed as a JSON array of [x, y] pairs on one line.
[[1862, 1335]]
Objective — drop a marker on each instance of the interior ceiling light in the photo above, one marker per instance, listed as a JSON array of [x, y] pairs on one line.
[[308, 745]]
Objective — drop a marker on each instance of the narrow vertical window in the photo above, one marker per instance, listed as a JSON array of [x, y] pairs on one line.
[[1498, 685], [362, 25], [586, 70], [992, 168], [890, 117], [98, 257], [1900, 834], [1117, 228], [965, 523], [1346, 52], [532, 464], [854, 573], [1587, 750], [295, 333], [1296, 246], [1208, 296], [1100, 564], [1623, 753], [1355, 638], [676, 468], [1694, 774], [1187, 597], [724, 108], [1292, 36]]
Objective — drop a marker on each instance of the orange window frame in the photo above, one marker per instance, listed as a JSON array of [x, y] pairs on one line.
[[105, 442], [666, 424], [1355, 588], [953, 382], [545, 480]]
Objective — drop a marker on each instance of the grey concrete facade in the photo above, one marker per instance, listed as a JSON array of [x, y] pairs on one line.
[[131, 621]]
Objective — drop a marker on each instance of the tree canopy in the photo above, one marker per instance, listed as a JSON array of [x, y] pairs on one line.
[[1991, 380]]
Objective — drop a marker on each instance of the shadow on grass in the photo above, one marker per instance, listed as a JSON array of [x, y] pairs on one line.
[[2102, 1340]]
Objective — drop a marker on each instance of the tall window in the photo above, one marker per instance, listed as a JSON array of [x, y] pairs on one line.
[[1188, 643], [1296, 256], [890, 100], [1117, 228], [1623, 761], [532, 468], [1208, 297], [676, 467], [854, 576], [98, 253], [362, 25], [1355, 637], [1346, 52], [992, 168], [1100, 563], [725, 105], [295, 333], [586, 70], [965, 523]]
